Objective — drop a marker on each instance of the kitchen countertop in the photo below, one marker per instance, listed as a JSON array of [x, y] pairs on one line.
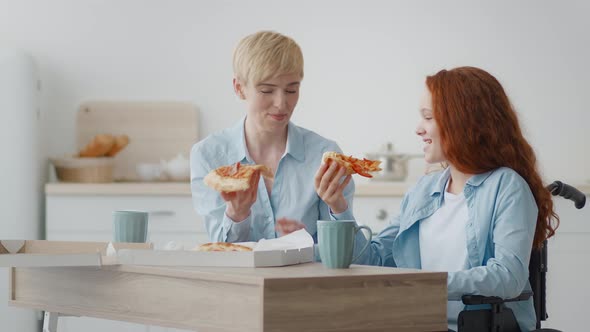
[[363, 189]]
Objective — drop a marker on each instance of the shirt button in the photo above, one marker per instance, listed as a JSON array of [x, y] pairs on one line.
[[468, 190]]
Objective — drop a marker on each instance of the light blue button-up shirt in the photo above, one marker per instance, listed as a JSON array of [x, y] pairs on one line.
[[293, 194], [502, 216]]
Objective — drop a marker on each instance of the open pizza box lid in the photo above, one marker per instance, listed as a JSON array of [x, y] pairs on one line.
[[295, 248], [41, 253]]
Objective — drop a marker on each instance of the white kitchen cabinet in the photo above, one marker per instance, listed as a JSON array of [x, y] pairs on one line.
[[88, 324], [86, 217], [567, 278], [164, 329], [375, 212], [89, 218]]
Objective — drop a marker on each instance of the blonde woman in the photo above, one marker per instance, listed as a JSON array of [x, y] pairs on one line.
[[268, 70]]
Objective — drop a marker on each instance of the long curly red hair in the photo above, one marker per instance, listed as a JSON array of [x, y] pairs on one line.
[[480, 132]]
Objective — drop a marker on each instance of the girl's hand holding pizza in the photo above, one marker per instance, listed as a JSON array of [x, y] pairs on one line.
[[329, 186], [334, 166]]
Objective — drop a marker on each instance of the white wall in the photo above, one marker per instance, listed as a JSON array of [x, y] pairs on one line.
[[365, 62]]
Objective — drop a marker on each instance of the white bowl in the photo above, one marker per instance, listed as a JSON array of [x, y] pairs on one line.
[[149, 172]]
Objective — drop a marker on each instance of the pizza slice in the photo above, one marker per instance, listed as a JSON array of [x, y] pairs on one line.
[[222, 246], [234, 177], [353, 165]]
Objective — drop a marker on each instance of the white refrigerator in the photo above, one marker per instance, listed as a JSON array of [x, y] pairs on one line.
[[23, 170]]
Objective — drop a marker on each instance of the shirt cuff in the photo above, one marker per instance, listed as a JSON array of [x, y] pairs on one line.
[[344, 215], [236, 231]]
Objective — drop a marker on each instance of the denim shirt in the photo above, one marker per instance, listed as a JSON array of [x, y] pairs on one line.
[[293, 194], [502, 216]]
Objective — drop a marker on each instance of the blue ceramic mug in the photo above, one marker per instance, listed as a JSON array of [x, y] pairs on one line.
[[130, 226], [336, 242]]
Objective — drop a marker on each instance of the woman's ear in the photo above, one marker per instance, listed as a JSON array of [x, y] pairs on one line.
[[238, 88]]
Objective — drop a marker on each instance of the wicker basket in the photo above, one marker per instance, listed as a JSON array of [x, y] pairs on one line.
[[86, 170]]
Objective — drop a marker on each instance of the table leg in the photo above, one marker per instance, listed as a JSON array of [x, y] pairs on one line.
[[50, 321]]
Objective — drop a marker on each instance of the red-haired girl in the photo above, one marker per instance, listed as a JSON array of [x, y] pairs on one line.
[[479, 217]]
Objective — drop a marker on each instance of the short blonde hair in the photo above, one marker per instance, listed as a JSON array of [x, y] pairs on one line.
[[266, 54]]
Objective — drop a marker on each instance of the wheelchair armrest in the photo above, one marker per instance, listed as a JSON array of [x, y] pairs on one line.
[[480, 299]]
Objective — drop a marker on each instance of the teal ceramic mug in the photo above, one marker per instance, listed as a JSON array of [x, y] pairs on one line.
[[130, 226], [336, 242]]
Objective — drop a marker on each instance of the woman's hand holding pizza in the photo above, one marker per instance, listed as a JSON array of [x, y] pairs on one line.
[[330, 188], [240, 202], [238, 186]]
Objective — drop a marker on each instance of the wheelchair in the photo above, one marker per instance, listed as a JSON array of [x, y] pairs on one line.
[[501, 318]]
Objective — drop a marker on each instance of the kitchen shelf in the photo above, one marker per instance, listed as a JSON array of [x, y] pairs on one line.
[[119, 188]]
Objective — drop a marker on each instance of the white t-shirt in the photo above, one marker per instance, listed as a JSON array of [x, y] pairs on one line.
[[443, 243]]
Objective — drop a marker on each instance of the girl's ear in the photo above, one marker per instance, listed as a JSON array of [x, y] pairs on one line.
[[238, 88]]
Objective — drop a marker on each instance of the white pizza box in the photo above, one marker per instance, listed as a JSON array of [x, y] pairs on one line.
[[227, 259], [42, 253], [295, 248]]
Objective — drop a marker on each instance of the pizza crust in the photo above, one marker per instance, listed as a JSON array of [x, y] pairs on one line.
[[222, 246], [331, 155], [224, 184], [227, 183]]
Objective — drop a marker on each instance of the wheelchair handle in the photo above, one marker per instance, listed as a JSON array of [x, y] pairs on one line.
[[568, 192]]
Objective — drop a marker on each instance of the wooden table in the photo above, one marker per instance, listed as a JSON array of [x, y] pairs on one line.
[[304, 297]]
